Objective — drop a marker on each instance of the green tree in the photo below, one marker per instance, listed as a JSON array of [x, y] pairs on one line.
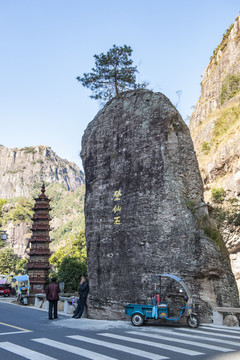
[[2, 202], [113, 74], [70, 261], [21, 266], [8, 261], [74, 246], [70, 272]]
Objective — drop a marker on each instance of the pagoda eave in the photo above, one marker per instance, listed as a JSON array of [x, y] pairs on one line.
[[38, 266], [39, 239], [40, 252], [41, 217]]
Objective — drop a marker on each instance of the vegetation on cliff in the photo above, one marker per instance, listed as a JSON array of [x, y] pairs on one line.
[[224, 124], [68, 246], [223, 43], [230, 87]]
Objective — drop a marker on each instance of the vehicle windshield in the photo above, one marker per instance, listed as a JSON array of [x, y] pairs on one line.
[[168, 285]]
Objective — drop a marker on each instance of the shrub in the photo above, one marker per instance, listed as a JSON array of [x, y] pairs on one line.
[[212, 233], [234, 217], [227, 120], [29, 149], [230, 87], [223, 44], [218, 195], [206, 147]]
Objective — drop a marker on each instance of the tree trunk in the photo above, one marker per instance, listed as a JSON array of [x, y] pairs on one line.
[[115, 83]]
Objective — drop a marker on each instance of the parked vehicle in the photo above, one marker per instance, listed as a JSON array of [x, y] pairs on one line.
[[161, 305], [5, 290], [22, 286], [5, 287]]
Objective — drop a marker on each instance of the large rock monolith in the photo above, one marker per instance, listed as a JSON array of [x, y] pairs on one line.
[[143, 195]]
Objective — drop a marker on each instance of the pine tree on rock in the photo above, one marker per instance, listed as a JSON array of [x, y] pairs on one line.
[[113, 73]]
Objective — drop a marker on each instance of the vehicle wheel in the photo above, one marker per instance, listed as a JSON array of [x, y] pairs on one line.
[[137, 319], [193, 321]]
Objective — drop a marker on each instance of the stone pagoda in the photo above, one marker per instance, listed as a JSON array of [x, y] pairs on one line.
[[38, 264]]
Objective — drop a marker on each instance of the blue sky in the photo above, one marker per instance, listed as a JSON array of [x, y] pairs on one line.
[[46, 44]]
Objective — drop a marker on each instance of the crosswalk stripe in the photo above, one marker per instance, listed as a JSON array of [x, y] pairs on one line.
[[123, 348], [73, 349], [153, 344], [211, 333], [15, 332], [213, 339], [24, 352], [221, 329], [195, 343]]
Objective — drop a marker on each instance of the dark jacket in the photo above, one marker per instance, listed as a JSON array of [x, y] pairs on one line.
[[84, 289], [52, 292]]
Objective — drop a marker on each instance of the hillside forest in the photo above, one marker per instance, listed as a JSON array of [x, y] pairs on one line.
[[68, 244]]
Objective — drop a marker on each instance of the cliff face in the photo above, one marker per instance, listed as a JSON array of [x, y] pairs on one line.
[[225, 60], [22, 172], [21, 168], [143, 188], [215, 130]]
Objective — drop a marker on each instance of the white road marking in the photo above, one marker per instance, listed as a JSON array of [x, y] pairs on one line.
[[153, 344], [15, 332], [237, 331], [208, 338], [73, 349], [210, 333], [24, 352], [123, 348], [195, 343]]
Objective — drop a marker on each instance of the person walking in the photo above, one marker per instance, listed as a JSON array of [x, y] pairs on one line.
[[83, 293], [52, 296]]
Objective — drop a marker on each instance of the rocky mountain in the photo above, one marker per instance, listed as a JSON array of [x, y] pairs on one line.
[[215, 121], [22, 172], [20, 169], [215, 130]]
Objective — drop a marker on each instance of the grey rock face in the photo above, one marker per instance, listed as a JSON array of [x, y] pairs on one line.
[[226, 61], [220, 164], [18, 237], [142, 180], [21, 168]]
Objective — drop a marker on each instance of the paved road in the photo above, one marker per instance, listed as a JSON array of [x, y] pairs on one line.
[[26, 333]]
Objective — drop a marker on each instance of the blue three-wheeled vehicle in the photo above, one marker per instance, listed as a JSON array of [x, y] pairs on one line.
[[162, 306]]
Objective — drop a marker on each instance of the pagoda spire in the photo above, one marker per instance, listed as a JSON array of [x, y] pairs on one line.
[[39, 254]]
